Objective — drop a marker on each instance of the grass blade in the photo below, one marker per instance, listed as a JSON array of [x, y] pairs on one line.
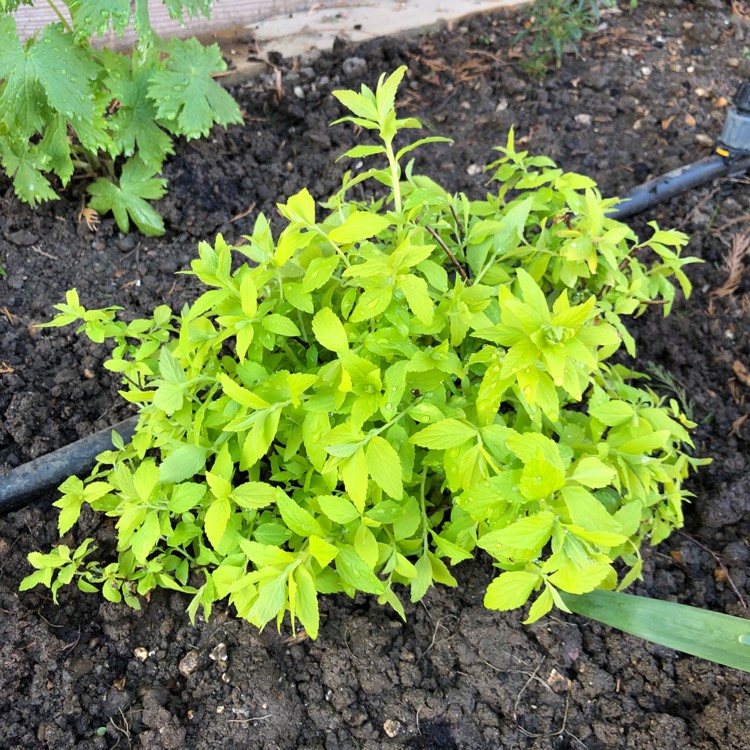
[[709, 635]]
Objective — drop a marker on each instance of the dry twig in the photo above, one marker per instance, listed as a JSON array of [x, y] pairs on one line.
[[721, 565], [734, 265]]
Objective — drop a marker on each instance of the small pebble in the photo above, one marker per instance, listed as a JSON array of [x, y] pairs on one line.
[[392, 727], [188, 664], [140, 653]]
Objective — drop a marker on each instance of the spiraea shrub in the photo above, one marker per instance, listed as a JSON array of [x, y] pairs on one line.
[[384, 387]]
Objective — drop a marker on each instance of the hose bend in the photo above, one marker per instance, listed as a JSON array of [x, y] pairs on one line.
[[677, 181], [22, 484]]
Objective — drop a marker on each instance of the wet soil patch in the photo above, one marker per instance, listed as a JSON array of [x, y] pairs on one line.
[[649, 94]]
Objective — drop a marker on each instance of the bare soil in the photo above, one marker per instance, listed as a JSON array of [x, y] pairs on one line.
[[649, 94]]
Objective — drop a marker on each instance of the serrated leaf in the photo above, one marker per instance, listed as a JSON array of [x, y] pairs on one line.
[[93, 17], [360, 104], [186, 95], [280, 324], [355, 572], [447, 433], [186, 497], [307, 601], [270, 601], [384, 466], [318, 273], [255, 495], [24, 163], [216, 519], [51, 72], [418, 586], [324, 552], [329, 330], [169, 397], [586, 511], [299, 208], [297, 519], [354, 474], [420, 303], [263, 555], [183, 463], [510, 590], [144, 540], [55, 147], [337, 508], [358, 226], [593, 472], [145, 479], [359, 151], [450, 550], [70, 510], [576, 580], [527, 534], [542, 604], [241, 395], [133, 125], [612, 413], [540, 479], [127, 201], [406, 525]]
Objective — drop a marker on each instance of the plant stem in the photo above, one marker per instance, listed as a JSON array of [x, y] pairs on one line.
[[459, 267], [396, 419], [395, 176], [59, 14], [319, 231], [423, 510]]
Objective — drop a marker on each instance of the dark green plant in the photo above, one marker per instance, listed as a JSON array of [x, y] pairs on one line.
[[68, 107], [383, 388], [557, 26]]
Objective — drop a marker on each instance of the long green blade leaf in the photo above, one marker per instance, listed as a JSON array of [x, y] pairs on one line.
[[709, 635]]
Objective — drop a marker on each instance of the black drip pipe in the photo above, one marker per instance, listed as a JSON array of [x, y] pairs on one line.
[[22, 484], [677, 181]]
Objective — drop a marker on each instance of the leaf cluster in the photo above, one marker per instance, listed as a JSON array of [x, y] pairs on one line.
[[557, 27], [67, 106], [384, 387]]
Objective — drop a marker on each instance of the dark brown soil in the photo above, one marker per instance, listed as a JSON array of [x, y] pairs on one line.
[[648, 96]]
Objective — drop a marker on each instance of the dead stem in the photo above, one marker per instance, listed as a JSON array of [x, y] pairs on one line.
[[459, 267]]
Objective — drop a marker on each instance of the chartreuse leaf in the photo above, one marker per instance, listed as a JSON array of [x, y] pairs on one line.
[[384, 466], [307, 601], [447, 433], [709, 635], [215, 522], [329, 330], [355, 572], [358, 226], [270, 601], [510, 590], [347, 406]]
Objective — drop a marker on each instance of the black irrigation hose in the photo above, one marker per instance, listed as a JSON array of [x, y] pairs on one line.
[[677, 181], [20, 485]]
